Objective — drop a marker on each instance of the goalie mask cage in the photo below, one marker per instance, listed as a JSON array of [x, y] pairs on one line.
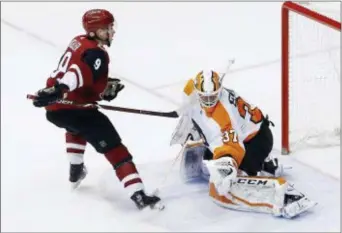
[[310, 76]]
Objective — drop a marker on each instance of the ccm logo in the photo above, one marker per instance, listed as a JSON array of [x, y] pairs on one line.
[[61, 101], [251, 181]]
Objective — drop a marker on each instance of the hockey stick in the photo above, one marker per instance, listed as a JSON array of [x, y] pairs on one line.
[[172, 114], [166, 175], [230, 63]]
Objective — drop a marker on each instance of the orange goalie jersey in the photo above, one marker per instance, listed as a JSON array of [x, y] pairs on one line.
[[225, 126]]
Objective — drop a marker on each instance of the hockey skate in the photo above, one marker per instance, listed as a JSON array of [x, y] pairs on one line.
[[77, 173], [142, 200], [271, 167]]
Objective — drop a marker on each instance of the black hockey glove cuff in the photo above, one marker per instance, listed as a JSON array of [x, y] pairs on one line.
[[50, 95], [113, 88]]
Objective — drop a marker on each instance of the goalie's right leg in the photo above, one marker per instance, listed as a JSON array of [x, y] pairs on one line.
[[258, 158]]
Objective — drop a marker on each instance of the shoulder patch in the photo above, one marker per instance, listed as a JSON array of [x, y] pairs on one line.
[[74, 45]]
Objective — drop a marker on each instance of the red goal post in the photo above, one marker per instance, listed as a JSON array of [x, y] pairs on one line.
[[287, 9]]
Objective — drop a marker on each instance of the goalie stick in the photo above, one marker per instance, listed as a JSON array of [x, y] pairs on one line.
[[230, 63]]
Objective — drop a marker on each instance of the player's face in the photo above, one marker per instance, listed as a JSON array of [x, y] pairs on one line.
[[110, 32], [107, 33]]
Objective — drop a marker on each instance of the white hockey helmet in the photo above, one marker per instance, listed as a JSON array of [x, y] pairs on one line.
[[208, 88]]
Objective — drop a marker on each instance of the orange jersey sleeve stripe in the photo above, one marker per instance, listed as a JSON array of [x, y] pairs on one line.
[[221, 117]]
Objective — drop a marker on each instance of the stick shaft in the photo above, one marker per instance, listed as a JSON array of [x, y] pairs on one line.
[[172, 114]]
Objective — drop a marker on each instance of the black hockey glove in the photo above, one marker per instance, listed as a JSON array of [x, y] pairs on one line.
[[113, 88], [50, 95]]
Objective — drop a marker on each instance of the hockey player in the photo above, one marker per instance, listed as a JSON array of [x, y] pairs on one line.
[[228, 141], [82, 76]]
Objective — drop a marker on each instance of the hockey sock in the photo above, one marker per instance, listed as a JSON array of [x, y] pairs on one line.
[[125, 168], [75, 147]]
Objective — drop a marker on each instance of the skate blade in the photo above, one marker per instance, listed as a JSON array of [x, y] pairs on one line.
[[156, 192], [158, 206], [75, 185], [152, 208]]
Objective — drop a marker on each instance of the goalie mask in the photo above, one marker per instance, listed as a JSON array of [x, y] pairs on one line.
[[208, 88]]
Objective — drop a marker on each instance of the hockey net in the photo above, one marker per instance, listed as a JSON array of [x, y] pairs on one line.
[[310, 76]]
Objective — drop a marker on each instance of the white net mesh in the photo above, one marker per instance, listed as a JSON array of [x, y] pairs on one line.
[[314, 80]]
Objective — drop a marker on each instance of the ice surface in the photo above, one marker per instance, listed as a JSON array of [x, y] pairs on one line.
[[153, 47]]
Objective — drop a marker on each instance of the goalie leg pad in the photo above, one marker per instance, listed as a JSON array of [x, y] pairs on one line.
[[254, 194], [265, 195]]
